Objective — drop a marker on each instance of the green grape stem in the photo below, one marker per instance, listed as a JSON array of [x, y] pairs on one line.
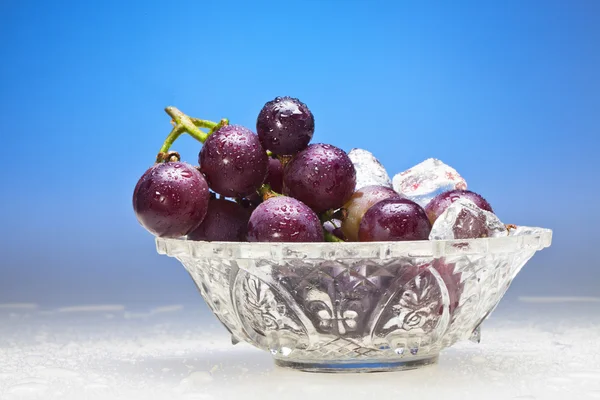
[[326, 216], [330, 237], [186, 124], [333, 214], [266, 192]]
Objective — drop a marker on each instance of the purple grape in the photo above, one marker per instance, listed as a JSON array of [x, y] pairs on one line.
[[284, 219], [321, 176], [171, 199], [359, 203], [442, 201], [233, 161], [394, 220], [275, 175], [225, 221], [285, 126]]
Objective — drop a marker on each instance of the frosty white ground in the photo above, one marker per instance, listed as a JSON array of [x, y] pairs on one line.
[[534, 350]]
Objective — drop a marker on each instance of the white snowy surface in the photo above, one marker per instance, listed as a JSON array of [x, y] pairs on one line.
[[531, 350]]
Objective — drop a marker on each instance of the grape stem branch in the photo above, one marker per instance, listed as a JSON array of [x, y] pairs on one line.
[[330, 237], [185, 124], [266, 192]]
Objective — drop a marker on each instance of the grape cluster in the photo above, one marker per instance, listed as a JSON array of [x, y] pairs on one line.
[[274, 186]]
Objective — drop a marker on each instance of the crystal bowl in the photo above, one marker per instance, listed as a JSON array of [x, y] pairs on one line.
[[360, 307]]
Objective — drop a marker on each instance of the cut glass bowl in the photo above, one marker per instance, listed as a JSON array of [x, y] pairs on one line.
[[362, 307]]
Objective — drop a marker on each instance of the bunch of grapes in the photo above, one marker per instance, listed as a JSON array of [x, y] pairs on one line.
[[274, 186]]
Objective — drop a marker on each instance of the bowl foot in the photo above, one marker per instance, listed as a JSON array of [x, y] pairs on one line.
[[357, 366]]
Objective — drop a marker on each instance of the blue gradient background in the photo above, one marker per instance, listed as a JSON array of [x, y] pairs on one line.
[[507, 93]]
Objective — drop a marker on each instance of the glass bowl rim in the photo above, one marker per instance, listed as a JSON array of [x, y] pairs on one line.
[[530, 239]]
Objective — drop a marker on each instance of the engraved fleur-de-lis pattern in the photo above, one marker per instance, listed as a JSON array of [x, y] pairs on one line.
[[354, 309]]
